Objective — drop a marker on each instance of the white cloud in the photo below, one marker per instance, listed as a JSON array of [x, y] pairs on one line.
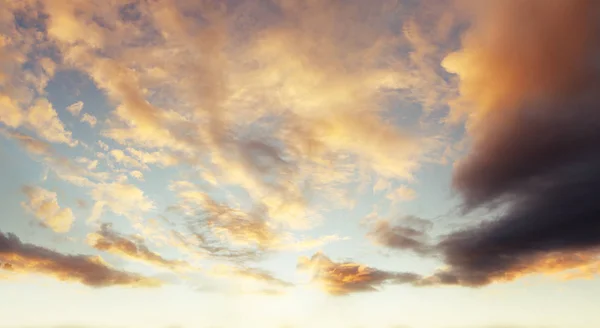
[[137, 174], [75, 109], [89, 119]]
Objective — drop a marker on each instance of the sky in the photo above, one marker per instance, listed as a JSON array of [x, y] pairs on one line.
[[299, 163]]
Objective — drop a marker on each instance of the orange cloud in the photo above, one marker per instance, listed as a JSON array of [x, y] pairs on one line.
[[344, 278], [92, 271]]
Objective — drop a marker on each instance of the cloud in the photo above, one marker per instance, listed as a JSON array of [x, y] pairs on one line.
[[108, 240], [30, 144], [273, 98], [162, 159], [407, 233], [120, 198], [89, 119], [64, 168], [255, 274], [103, 145], [402, 194], [223, 231], [88, 270], [261, 275], [75, 109], [43, 119], [44, 205], [344, 278], [137, 174], [120, 157], [528, 80]]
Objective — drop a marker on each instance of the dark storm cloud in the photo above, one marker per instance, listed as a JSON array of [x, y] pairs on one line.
[[531, 70], [88, 270]]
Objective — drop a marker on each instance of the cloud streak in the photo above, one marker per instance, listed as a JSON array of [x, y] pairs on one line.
[[88, 270], [108, 240]]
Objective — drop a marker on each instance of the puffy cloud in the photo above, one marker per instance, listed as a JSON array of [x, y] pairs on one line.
[[108, 240], [137, 174], [25, 71], [343, 278], [88, 270], [528, 77], [407, 233], [10, 114], [44, 205], [75, 108], [120, 198], [12, 59], [103, 145], [89, 119]]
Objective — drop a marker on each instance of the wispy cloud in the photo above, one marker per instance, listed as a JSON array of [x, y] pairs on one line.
[[133, 247]]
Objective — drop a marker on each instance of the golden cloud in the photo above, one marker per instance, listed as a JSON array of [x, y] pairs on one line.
[[275, 108], [120, 198], [346, 278], [44, 205]]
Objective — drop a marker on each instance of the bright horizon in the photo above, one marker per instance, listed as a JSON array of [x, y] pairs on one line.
[[299, 163]]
